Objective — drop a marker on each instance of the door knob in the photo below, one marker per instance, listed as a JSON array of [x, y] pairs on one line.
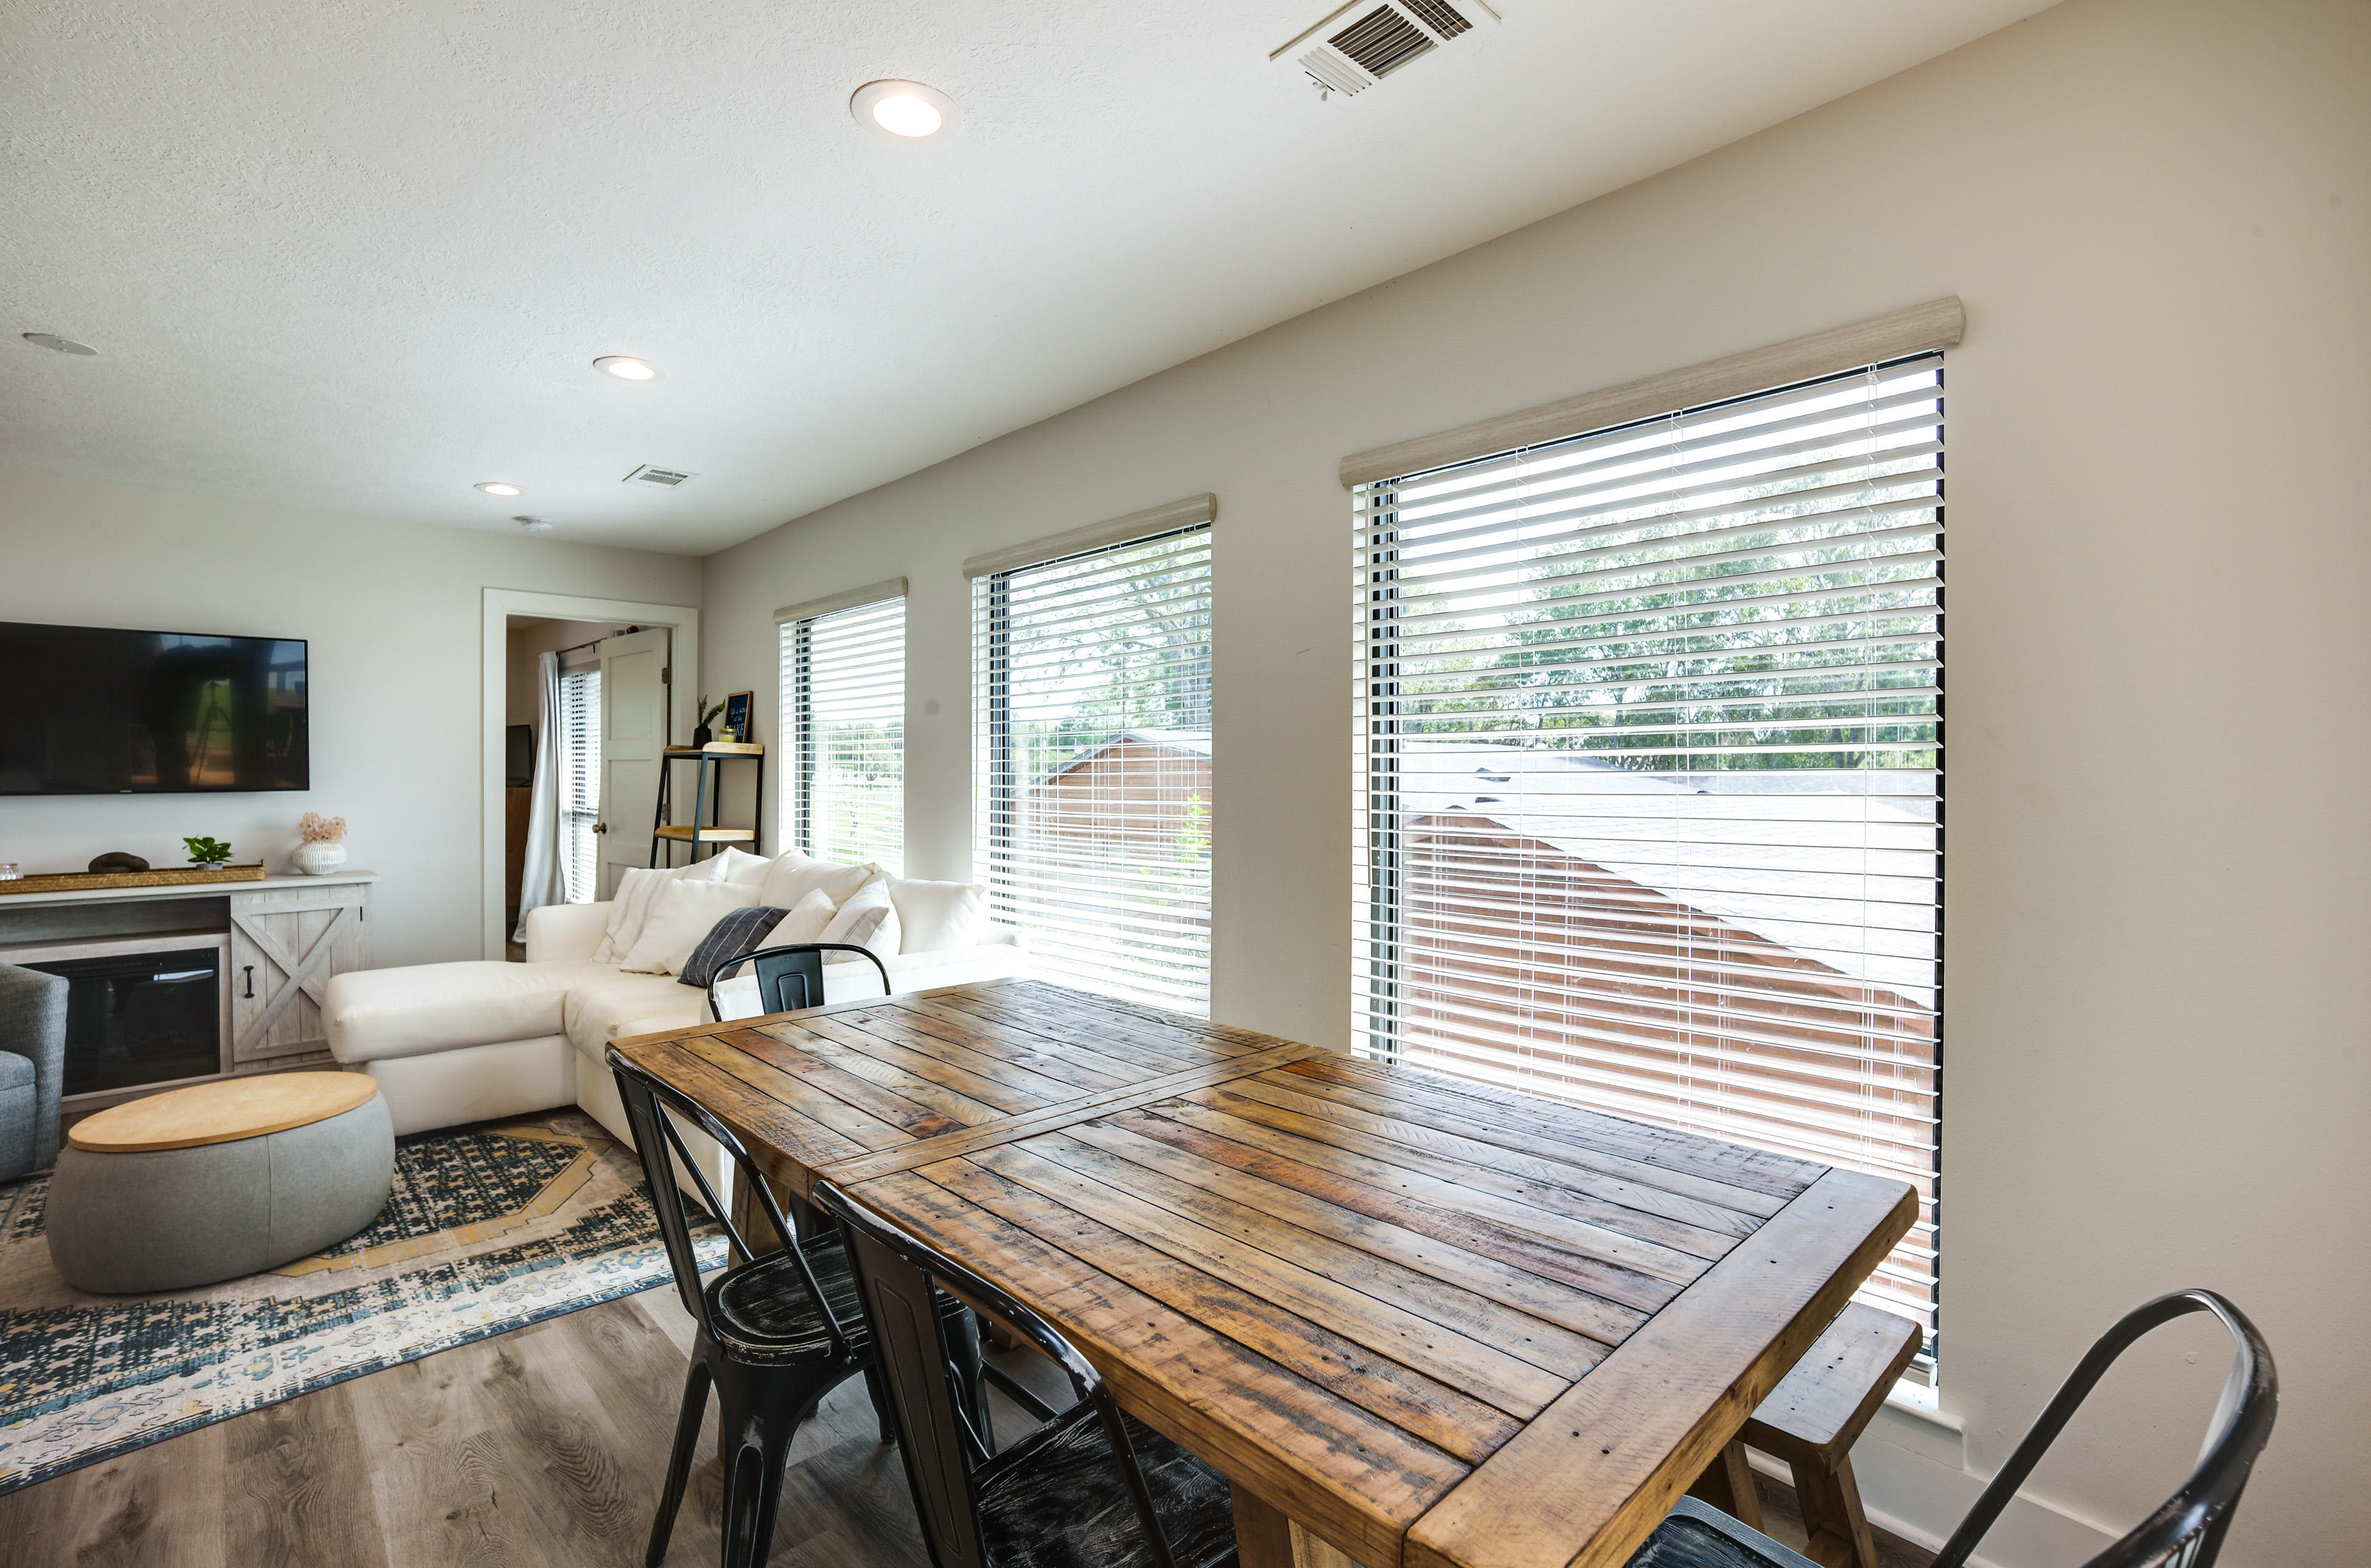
[[600, 827]]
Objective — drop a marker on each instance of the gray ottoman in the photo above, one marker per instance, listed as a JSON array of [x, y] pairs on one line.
[[220, 1180]]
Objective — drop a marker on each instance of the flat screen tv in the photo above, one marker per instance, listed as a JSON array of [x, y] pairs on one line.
[[87, 711]]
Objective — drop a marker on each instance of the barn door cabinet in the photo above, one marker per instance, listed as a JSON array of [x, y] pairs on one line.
[[285, 942]]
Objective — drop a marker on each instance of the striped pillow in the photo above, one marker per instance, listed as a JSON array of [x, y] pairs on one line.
[[743, 930]]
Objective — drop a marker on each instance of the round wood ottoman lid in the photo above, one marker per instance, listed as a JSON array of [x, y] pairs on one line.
[[222, 1112]]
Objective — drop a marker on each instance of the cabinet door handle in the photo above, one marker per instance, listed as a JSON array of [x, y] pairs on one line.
[[251, 979]]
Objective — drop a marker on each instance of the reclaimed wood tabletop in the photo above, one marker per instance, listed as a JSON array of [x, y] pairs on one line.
[[1413, 1318]]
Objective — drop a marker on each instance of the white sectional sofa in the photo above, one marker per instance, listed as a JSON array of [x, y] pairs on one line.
[[457, 1042]]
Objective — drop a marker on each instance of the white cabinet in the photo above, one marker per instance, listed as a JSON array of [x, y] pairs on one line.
[[285, 942]]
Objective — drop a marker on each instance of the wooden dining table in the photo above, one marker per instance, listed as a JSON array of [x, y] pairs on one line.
[[1414, 1320]]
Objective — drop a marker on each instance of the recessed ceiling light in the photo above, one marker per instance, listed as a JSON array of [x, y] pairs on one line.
[[903, 111], [625, 367], [534, 525], [496, 487], [63, 345]]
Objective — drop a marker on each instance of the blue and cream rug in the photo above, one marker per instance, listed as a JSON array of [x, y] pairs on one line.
[[489, 1228]]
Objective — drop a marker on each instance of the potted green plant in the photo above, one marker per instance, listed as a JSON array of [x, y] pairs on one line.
[[207, 853], [702, 734]]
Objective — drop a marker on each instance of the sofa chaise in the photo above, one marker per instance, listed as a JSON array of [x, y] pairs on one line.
[[457, 1042]]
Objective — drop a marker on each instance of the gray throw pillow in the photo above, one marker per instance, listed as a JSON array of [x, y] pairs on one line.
[[743, 930]]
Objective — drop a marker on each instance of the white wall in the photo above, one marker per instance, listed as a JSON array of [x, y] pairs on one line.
[[394, 615], [2157, 899]]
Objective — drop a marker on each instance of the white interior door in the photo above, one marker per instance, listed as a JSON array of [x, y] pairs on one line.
[[633, 732]]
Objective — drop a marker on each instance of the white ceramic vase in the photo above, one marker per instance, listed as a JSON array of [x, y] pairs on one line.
[[318, 858]]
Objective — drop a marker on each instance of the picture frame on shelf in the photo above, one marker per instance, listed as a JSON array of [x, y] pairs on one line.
[[736, 716]]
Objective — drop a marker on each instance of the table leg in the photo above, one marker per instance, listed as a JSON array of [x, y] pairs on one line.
[[1266, 1538], [1832, 1519], [1728, 1484]]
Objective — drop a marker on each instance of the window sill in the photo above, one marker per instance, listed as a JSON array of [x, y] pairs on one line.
[[1920, 1401]]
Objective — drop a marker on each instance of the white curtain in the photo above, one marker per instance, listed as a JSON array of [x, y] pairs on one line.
[[544, 878]]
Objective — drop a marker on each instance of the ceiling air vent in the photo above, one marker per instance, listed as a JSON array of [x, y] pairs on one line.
[[646, 475], [1361, 43]]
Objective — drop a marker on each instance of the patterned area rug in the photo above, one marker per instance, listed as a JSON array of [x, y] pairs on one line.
[[489, 1228]]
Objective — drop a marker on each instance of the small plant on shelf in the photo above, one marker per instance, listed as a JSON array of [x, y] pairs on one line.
[[207, 852], [708, 712]]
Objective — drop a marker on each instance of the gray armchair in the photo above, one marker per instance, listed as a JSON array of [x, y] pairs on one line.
[[32, 1068]]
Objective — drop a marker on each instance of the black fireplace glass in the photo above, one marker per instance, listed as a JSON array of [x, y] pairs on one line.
[[140, 1017]]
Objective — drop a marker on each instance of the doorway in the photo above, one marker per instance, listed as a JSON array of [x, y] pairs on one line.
[[573, 744], [619, 664]]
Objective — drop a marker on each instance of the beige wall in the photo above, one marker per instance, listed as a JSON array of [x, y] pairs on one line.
[[2157, 1057], [395, 618], [529, 638]]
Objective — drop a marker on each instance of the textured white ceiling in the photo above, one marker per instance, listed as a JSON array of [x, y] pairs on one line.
[[360, 256]]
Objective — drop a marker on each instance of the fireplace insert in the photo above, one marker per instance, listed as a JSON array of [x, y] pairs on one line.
[[140, 1017]]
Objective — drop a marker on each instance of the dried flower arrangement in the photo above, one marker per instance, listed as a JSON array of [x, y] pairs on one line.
[[318, 829]]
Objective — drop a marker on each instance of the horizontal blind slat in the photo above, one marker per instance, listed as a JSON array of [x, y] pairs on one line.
[[843, 685], [1092, 732], [1647, 735]]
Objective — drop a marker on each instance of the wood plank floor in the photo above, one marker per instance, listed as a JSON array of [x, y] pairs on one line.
[[539, 1448]]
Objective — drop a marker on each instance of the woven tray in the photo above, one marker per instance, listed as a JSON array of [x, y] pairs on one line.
[[172, 876]]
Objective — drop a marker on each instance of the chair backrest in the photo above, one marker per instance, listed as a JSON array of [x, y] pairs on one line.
[[896, 1273], [790, 976], [2187, 1530], [651, 1108]]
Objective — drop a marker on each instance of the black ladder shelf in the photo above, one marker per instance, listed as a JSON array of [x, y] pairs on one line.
[[704, 798]]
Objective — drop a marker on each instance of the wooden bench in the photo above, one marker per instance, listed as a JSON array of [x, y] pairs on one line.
[[1811, 1420]]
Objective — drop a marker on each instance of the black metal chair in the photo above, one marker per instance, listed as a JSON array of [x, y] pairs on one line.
[[790, 976], [1090, 1488], [775, 1332], [2186, 1531]]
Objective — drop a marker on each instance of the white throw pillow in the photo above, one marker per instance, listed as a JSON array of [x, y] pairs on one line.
[[938, 916], [868, 920], [737, 866], [628, 907], [804, 923], [637, 891], [680, 916], [796, 874]]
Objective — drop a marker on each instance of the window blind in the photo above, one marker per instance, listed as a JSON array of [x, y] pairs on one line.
[[580, 781], [844, 723], [1649, 762], [1092, 683]]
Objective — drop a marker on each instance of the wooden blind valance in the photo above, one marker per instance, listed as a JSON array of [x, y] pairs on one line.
[[1937, 324], [1166, 518], [807, 609]]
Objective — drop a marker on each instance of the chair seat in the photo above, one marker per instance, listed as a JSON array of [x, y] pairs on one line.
[[1695, 1536], [763, 1316], [1058, 1499], [15, 1072]]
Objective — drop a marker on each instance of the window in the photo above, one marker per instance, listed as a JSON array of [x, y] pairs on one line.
[[1649, 812], [580, 780], [1092, 683], [844, 727]]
